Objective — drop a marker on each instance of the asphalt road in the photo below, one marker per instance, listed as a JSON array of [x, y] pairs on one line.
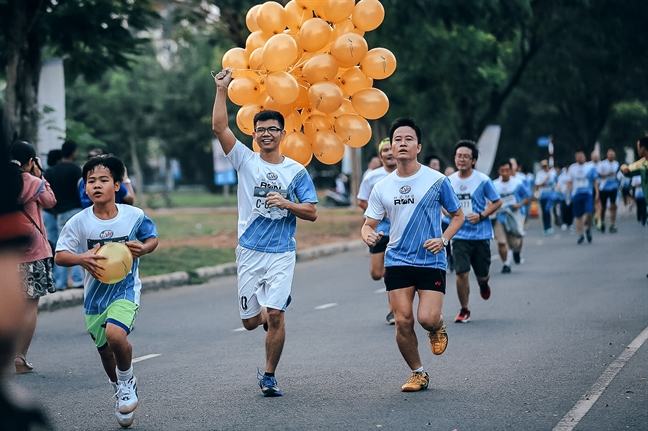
[[553, 334]]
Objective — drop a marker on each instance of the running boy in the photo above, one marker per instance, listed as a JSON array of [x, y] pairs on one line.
[[110, 309]]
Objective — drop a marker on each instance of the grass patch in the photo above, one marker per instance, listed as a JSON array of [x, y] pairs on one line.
[[182, 199], [192, 225], [184, 258]]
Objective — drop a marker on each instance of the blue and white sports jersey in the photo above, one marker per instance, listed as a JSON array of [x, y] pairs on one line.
[[473, 193], [546, 190], [366, 186], [609, 169], [582, 178], [85, 230], [413, 204], [512, 192], [260, 228]]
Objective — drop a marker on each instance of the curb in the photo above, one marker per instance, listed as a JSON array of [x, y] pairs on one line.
[[73, 297]]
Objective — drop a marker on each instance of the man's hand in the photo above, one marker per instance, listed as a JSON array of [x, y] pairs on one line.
[[624, 168], [473, 218], [275, 200], [373, 238], [433, 245], [91, 262], [223, 78], [136, 248]]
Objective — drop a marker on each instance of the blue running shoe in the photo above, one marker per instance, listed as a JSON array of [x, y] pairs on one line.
[[268, 385], [288, 301]]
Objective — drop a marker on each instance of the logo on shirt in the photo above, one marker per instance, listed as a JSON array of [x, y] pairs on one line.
[[463, 187], [272, 176], [106, 234], [404, 190]]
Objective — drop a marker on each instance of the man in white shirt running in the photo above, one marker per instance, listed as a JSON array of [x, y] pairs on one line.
[[273, 191], [471, 246], [582, 191], [377, 252], [412, 197], [608, 190]]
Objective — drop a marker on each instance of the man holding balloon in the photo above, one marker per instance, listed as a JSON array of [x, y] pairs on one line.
[[112, 238], [273, 191]]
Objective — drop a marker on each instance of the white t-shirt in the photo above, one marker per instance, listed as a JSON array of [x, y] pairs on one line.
[[546, 189], [413, 204], [473, 193], [85, 230], [364, 191], [270, 230], [582, 178], [606, 168]]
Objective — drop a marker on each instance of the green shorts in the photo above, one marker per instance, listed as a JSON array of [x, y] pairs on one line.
[[121, 313]]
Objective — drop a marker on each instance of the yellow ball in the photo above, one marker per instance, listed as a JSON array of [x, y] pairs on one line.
[[118, 262]]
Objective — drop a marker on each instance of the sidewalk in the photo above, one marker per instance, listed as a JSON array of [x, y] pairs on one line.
[[74, 297]]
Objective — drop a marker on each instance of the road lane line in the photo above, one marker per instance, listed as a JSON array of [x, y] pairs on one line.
[[324, 306], [145, 357], [241, 329], [381, 290], [571, 419]]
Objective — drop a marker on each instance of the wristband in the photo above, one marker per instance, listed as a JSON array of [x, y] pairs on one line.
[[481, 217]]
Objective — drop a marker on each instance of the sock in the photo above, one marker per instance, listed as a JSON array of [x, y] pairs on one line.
[[125, 376], [418, 370], [269, 374], [509, 258]]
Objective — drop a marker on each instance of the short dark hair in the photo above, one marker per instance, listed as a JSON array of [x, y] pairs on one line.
[[108, 161], [68, 148], [428, 159], [53, 157], [405, 122], [269, 114], [643, 142], [471, 145], [505, 162]]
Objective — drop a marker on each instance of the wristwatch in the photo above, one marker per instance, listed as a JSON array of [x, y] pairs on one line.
[[481, 217], [445, 241]]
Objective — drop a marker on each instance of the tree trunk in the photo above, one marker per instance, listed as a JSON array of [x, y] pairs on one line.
[[23, 45]]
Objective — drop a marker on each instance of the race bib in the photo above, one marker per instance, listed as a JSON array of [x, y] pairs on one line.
[[466, 203], [508, 200], [581, 183], [261, 206]]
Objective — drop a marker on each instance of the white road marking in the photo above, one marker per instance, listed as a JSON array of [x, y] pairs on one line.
[[324, 306], [571, 419], [381, 290], [241, 329], [145, 357]]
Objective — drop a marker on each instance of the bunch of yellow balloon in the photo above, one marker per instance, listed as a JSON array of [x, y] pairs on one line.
[[309, 60]]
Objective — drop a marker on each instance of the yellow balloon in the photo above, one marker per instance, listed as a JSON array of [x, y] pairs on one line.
[[316, 123], [293, 122], [118, 262], [309, 5], [236, 58], [349, 49], [268, 103], [251, 18], [338, 10], [344, 27], [244, 73], [282, 87], [245, 117], [322, 67], [242, 91], [345, 108], [314, 34], [296, 15], [353, 80], [256, 40], [371, 103], [368, 15], [256, 60], [379, 63], [279, 52], [302, 100], [297, 147], [328, 147], [325, 96], [271, 17], [354, 130], [255, 146]]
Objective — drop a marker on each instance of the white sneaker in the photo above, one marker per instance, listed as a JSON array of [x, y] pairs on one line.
[[124, 420], [127, 395], [563, 227]]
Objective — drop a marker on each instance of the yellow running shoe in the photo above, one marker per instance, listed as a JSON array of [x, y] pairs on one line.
[[416, 382], [438, 340]]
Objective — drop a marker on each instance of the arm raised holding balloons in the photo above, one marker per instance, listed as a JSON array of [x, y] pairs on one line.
[[219, 114]]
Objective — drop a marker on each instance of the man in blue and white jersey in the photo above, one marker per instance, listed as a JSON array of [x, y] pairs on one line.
[[514, 198], [608, 190], [273, 191], [412, 197], [377, 253], [582, 190], [110, 308], [471, 246], [528, 180], [545, 180]]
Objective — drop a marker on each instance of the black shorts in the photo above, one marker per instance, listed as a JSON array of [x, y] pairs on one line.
[[475, 253], [380, 246], [399, 277], [611, 195]]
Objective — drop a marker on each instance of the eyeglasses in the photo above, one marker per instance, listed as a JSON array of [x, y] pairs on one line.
[[463, 156], [272, 129]]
